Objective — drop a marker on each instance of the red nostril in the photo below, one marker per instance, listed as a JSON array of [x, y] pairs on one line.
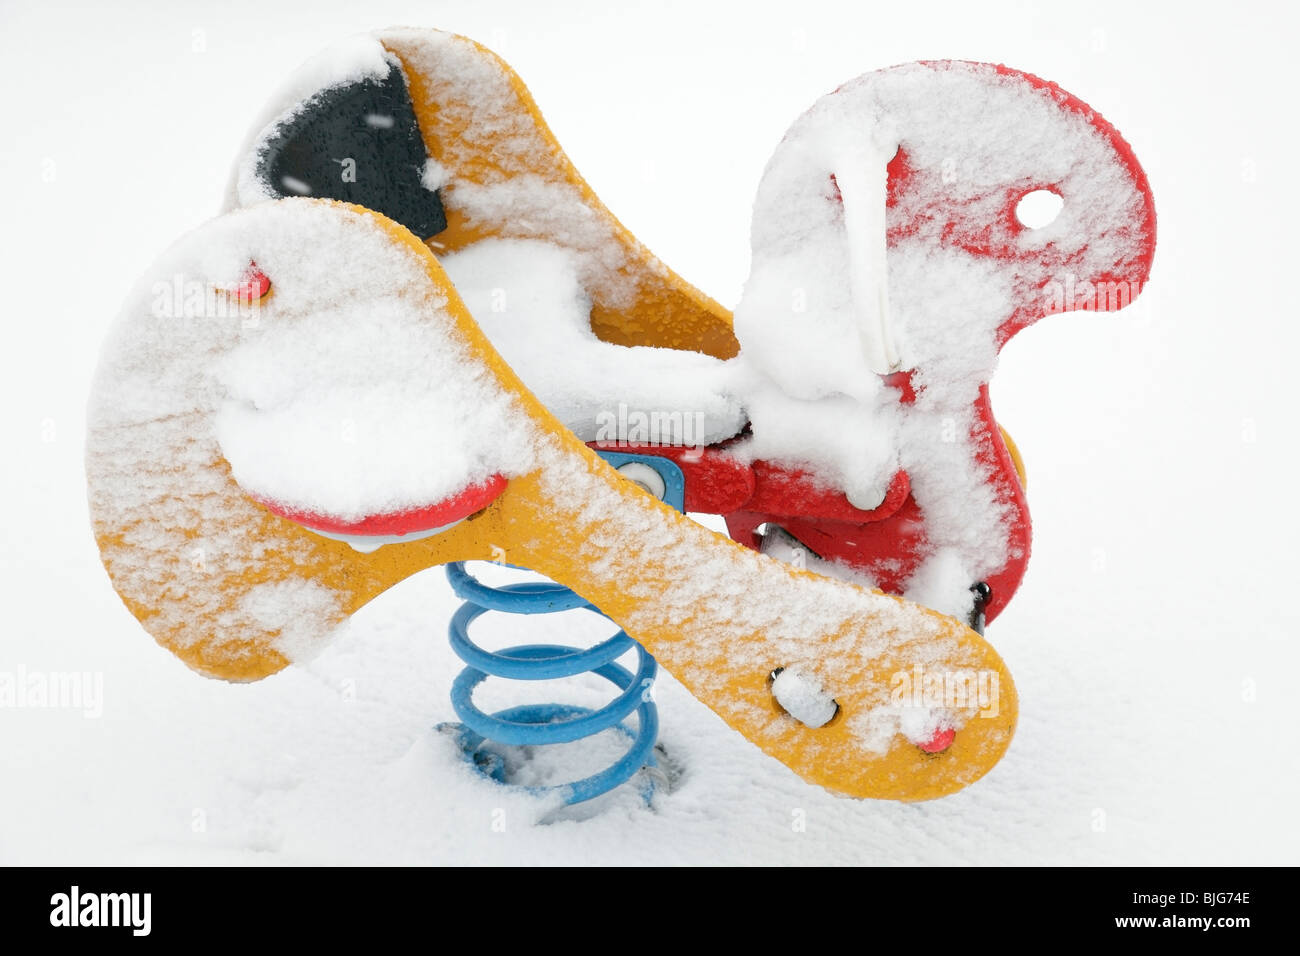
[[940, 742], [252, 287]]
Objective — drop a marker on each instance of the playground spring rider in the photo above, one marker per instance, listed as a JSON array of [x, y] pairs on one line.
[[444, 134]]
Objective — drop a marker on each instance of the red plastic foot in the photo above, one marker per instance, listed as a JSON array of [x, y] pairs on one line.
[[253, 286], [940, 742]]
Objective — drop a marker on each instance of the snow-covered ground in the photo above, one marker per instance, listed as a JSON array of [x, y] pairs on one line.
[[1153, 641]]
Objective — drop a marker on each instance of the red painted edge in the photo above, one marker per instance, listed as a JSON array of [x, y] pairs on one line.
[[445, 512]]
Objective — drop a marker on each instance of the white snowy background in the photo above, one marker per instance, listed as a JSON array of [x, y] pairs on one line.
[[1153, 641]]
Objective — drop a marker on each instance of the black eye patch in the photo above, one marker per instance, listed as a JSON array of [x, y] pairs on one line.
[[359, 143]]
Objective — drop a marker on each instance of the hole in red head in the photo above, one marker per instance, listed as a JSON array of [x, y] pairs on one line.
[[1038, 208]]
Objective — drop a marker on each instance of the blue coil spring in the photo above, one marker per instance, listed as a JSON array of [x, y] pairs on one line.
[[551, 723]]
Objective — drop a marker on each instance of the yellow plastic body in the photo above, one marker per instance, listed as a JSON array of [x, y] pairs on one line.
[[714, 614], [1016, 460], [662, 308]]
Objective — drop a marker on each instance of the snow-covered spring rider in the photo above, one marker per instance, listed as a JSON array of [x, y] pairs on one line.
[[305, 402]]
